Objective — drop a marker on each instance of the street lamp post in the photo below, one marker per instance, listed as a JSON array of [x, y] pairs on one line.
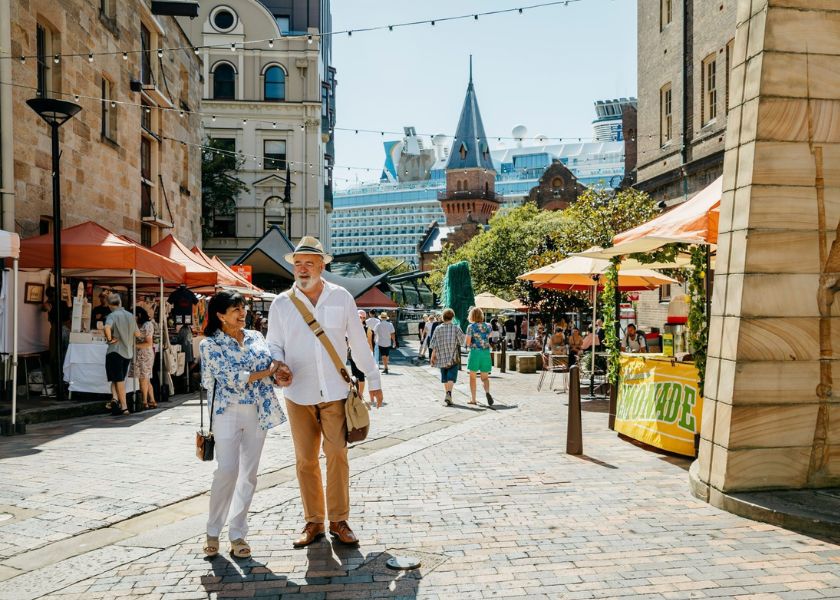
[[56, 113], [287, 203]]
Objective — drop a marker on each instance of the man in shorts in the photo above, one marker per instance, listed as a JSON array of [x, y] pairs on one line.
[[120, 329], [445, 343], [386, 338]]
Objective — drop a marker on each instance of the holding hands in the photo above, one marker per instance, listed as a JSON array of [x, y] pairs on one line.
[[281, 373]]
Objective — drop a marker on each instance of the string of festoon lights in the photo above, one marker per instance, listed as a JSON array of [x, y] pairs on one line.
[[310, 37], [244, 120]]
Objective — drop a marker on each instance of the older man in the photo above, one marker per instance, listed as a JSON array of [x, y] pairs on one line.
[[120, 329], [316, 394]]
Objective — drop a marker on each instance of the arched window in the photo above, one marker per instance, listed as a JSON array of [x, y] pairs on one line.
[[463, 151], [558, 183], [458, 187], [224, 82], [274, 85]]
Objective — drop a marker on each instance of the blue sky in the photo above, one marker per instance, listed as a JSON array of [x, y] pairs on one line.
[[542, 69]]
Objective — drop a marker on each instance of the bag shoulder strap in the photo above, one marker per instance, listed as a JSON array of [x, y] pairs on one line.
[[316, 328], [212, 393]]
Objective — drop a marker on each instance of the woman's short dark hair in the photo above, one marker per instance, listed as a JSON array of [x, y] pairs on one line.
[[219, 304], [142, 315]]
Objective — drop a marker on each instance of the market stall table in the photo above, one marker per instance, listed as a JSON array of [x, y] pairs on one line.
[[84, 369]]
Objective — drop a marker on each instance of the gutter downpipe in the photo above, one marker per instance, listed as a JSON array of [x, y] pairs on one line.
[[7, 162]]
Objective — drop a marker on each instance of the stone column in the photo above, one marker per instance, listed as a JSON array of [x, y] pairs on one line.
[[770, 419]]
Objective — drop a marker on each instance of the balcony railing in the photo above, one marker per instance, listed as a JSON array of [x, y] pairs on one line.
[[469, 195]]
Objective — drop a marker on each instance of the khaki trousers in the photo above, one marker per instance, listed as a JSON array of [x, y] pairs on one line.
[[309, 424]]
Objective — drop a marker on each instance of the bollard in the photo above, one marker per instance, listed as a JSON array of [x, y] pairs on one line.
[[504, 356], [574, 436], [613, 405]]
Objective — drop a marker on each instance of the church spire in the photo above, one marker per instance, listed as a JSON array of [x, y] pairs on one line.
[[470, 149]]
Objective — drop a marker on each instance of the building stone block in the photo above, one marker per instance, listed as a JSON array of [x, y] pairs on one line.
[[769, 426], [732, 138], [795, 31], [780, 163], [785, 382], [762, 468], [784, 296], [730, 173], [749, 119], [757, 26], [752, 77], [801, 253], [707, 422], [712, 369], [746, 157], [834, 423], [734, 294], [722, 419], [737, 251], [719, 299], [729, 337], [715, 337], [726, 381], [705, 455], [769, 206]]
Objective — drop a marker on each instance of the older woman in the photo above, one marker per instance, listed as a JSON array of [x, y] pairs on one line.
[[236, 367], [144, 356], [479, 361]]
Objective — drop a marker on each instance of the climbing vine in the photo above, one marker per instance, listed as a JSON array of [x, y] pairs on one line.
[[698, 323], [611, 338]]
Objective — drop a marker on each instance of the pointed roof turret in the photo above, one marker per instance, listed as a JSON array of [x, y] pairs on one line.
[[470, 149]]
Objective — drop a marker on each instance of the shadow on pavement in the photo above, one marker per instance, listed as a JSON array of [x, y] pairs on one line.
[[593, 460], [596, 406], [235, 573]]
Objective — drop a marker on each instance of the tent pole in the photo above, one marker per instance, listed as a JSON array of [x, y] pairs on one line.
[[594, 314], [160, 343], [14, 342], [134, 337]]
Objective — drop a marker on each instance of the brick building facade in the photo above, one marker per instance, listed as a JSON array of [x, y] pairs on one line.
[[684, 62], [558, 188], [130, 159]]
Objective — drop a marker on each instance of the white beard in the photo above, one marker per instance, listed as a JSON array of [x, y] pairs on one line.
[[308, 284]]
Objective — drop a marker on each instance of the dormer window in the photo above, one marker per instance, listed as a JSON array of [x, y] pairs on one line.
[[463, 151]]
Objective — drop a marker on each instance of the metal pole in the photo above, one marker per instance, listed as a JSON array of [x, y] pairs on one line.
[[594, 314], [134, 337], [574, 431], [14, 342], [614, 385], [59, 387]]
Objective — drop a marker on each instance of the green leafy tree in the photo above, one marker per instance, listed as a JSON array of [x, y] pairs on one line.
[[387, 263], [219, 183], [499, 254]]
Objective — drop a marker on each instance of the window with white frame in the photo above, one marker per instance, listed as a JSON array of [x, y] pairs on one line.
[[708, 99], [666, 122]]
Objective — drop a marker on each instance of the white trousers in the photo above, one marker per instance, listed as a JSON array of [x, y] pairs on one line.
[[239, 444]]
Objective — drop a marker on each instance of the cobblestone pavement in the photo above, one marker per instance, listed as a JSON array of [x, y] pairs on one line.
[[486, 499]]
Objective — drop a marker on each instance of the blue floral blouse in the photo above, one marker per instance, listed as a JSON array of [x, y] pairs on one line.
[[479, 334], [225, 369]]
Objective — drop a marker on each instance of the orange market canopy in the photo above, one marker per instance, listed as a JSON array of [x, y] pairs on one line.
[[693, 222], [197, 274], [228, 278], [93, 251], [579, 273]]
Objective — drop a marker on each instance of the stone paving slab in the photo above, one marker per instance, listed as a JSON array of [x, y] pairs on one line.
[[499, 511]]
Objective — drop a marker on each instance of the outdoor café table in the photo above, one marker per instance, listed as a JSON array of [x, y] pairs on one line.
[[84, 369]]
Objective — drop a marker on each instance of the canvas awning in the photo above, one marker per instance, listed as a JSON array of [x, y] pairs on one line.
[[692, 222], [375, 298], [197, 274], [93, 251], [225, 279], [578, 273], [9, 244], [488, 301]]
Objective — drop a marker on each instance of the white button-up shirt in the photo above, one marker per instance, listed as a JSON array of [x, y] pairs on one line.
[[314, 376]]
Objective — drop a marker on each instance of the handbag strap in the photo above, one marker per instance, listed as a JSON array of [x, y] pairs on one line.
[[316, 328]]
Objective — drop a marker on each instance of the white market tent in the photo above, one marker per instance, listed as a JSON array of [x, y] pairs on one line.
[[10, 248]]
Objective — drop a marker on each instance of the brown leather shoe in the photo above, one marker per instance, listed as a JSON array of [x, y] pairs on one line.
[[342, 532], [311, 532]]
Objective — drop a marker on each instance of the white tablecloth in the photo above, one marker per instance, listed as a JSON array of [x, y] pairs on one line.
[[84, 369]]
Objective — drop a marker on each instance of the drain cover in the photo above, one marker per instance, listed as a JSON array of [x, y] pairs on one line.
[[402, 563]]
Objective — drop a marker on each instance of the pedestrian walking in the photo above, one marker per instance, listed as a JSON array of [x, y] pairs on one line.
[[356, 371], [479, 362], [316, 396], [144, 358], [445, 346], [236, 369], [510, 333], [386, 338], [120, 329]]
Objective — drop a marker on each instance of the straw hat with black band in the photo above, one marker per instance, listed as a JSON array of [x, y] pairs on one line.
[[309, 245]]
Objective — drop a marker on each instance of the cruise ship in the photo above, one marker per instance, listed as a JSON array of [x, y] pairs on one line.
[[389, 218]]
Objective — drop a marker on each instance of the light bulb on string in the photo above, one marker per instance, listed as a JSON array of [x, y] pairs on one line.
[[56, 59], [90, 58], [22, 60], [160, 53], [475, 17], [125, 55], [309, 39], [350, 33], [520, 11], [244, 121], [271, 43], [196, 49], [433, 23], [233, 47], [76, 97], [390, 28], [301, 127], [181, 113], [274, 125], [113, 104], [213, 118]]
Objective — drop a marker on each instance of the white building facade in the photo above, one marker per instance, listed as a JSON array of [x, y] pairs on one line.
[[269, 97]]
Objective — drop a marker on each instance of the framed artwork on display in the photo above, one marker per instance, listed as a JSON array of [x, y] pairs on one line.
[[33, 293]]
